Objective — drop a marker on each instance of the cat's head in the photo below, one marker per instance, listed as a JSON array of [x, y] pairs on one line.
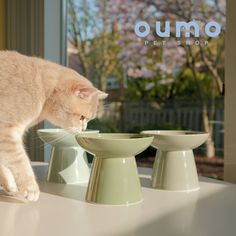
[[73, 103]]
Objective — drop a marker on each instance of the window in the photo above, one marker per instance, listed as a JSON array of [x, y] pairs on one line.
[[159, 73]]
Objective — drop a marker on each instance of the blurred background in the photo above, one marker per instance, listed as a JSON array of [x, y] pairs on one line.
[[153, 82]]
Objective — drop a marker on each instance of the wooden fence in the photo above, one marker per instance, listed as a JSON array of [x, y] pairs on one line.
[[135, 116]]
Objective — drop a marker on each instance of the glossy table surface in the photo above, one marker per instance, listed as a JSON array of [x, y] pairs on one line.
[[61, 210]]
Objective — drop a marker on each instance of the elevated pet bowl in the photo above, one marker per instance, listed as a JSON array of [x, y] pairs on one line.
[[114, 178], [174, 166], [68, 162]]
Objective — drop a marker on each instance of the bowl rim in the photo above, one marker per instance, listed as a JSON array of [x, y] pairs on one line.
[[57, 130], [174, 133], [106, 136]]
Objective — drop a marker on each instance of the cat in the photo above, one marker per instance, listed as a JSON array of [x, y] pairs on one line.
[[31, 90]]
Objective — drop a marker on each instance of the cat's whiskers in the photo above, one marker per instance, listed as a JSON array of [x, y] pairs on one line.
[[54, 141], [59, 139], [74, 130], [104, 107]]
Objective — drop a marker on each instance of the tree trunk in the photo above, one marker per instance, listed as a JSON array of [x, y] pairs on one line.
[[210, 147], [207, 126], [103, 83]]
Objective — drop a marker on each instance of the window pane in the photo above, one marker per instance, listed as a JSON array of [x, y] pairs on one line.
[[161, 61]]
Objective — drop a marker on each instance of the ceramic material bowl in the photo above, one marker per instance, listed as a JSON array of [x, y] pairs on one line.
[[174, 166], [68, 162], [114, 178]]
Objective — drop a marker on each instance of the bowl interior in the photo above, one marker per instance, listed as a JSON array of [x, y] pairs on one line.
[[176, 139], [60, 136], [114, 145]]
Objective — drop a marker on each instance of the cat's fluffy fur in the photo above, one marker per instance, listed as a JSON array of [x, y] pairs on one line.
[[32, 89]]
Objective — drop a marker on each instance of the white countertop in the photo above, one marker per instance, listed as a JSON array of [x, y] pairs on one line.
[[61, 211]]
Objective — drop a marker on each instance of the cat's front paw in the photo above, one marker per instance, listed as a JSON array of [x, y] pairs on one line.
[[7, 181], [29, 189]]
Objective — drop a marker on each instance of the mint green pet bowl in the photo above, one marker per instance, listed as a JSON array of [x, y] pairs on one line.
[[174, 167], [68, 161], [114, 178]]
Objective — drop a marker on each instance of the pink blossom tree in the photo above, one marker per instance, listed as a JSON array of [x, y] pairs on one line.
[[148, 61]]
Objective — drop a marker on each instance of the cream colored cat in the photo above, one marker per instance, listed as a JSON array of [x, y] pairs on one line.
[[32, 89]]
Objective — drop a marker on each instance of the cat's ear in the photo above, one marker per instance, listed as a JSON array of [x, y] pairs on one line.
[[86, 92], [102, 95]]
